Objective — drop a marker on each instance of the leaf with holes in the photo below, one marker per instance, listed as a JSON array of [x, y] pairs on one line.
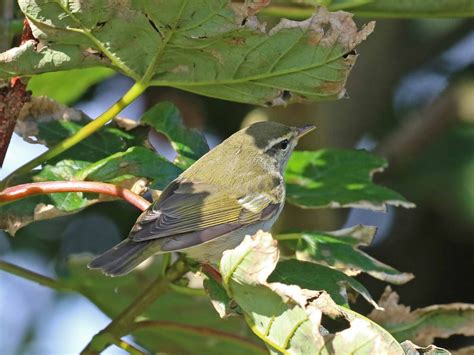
[[291, 319], [340, 250], [423, 325], [319, 277], [338, 178], [210, 47], [45, 121]]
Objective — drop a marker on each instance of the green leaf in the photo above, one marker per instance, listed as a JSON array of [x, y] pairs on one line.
[[288, 318], [313, 276], [17, 214], [340, 250], [185, 324], [127, 169], [210, 47], [219, 298], [338, 178], [189, 144], [67, 86], [47, 122], [64, 170], [423, 325], [136, 162]]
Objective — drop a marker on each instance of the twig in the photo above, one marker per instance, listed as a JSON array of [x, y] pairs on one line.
[[121, 324], [419, 131], [21, 191], [298, 12], [188, 291], [212, 272], [131, 349], [33, 276], [199, 330]]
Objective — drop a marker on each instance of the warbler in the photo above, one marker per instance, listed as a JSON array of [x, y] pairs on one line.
[[234, 190]]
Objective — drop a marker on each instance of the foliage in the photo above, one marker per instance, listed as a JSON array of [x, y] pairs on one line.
[[300, 304]]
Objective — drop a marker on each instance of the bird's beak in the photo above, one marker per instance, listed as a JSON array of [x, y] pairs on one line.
[[301, 131]]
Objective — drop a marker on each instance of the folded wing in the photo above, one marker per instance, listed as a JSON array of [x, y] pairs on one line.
[[190, 213]]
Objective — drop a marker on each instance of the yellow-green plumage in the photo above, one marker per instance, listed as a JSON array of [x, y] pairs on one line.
[[235, 189]]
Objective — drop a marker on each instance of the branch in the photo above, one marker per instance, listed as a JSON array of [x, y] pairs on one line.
[[135, 91], [188, 291], [198, 330], [122, 324], [298, 12], [419, 131], [36, 188], [131, 349], [33, 276], [211, 272]]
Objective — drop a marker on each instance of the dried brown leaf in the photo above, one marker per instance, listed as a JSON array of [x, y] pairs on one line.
[[423, 325], [42, 109]]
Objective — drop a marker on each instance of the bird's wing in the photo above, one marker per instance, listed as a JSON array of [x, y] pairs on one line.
[[202, 211]]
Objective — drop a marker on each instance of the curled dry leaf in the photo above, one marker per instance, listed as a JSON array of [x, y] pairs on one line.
[[412, 349], [290, 319], [468, 350], [40, 110], [12, 223], [12, 98], [423, 325]]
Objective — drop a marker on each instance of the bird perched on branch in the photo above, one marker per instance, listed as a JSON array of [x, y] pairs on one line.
[[234, 190]]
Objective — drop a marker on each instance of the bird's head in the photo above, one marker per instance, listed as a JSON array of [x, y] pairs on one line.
[[270, 142]]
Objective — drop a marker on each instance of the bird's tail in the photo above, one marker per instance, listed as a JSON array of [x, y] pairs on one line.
[[124, 257]]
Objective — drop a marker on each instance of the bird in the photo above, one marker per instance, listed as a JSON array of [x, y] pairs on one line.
[[234, 190]]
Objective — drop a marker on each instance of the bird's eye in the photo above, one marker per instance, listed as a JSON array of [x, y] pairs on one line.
[[283, 144]]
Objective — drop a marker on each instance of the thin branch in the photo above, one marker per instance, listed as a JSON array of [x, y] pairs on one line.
[[297, 12], [121, 324], [130, 348], [418, 132], [33, 276], [165, 262], [135, 91], [198, 330], [288, 236], [188, 291], [211, 272], [36, 188]]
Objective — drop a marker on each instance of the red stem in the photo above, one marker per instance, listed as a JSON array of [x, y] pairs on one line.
[[211, 271], [36, 188], [203, 331]]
